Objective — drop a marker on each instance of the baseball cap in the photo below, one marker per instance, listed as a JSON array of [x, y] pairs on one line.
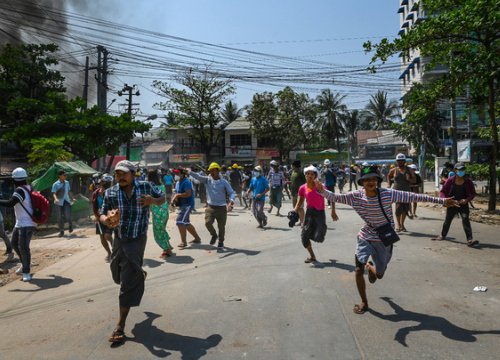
[[459, 166], [125, 166]]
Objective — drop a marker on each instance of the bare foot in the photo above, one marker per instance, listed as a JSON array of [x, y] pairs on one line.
[[372, 274], [360, 308], [439, 237]]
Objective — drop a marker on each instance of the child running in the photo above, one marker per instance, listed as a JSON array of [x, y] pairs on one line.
[[370, 203], [314, 222]]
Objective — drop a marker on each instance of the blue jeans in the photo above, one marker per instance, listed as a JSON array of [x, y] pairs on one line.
[[21, 238], [64, 215]]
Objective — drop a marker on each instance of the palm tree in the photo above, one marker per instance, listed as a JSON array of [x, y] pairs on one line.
[[330, 110], [380, 112], [352, 122], [230, 112]]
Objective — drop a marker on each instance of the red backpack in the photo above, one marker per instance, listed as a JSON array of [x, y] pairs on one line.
[[40, 205]]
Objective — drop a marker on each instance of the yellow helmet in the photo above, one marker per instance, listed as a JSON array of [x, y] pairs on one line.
[[214, 165], [235, 166]]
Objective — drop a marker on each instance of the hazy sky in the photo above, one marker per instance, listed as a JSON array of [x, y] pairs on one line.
[[324, 32]]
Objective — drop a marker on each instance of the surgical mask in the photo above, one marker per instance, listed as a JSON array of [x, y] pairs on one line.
[[256, 173], [461, 173]]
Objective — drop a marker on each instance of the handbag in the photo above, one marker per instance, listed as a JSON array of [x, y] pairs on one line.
[[386, 232]]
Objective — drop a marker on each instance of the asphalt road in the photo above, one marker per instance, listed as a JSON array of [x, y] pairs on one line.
[[258, 300]]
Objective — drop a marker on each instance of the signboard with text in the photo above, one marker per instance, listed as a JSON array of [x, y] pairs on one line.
[[186, 158]]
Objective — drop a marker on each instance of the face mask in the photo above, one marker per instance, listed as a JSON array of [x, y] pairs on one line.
[[256, 173], [461, 173]]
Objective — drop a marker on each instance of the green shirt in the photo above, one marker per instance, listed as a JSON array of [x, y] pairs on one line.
[[297, 179]]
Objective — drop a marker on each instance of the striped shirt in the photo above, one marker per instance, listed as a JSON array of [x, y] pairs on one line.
[[368, 208], [134, 218], [275, 178]]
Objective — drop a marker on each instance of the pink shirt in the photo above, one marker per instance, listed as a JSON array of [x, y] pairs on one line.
[[313, 198]]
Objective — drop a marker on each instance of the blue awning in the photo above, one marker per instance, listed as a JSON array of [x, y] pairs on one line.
[[414, 7], [401, 32], [410, 16], [405, 24], [417, 60], [403, 74], [410, 66], [401, 10], [404, 2]]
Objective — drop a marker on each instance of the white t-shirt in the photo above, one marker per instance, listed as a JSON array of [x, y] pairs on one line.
[[23, 219]]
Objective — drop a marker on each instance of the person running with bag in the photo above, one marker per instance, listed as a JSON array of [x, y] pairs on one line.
[[315, 221], [373, 205]]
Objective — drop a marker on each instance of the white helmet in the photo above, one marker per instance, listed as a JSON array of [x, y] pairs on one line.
[[311, 168], [401, 156], [273, 163], [19, 174], [326, 162]]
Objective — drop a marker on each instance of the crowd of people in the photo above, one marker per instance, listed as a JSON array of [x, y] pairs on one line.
[[122, 205]]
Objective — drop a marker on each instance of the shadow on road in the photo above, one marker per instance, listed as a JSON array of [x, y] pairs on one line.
[[180, 259], [45, 284], [427, 323], [333, 264], [276, 228], [161, 343], [233, 251], [152, 263]]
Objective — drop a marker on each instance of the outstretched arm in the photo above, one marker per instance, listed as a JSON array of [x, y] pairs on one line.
[[340, 198]]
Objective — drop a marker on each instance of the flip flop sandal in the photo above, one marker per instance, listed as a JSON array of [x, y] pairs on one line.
[[359, 310], [310, 260], [182, 245], [371, 276], [117, 336], [471, 243]]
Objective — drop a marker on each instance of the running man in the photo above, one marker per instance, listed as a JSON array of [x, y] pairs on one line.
[[259, 188], [370, 203], [126, 207]]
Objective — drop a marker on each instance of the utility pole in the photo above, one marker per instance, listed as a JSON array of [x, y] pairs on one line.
[[131, 90], [102, 78], [86, 83]]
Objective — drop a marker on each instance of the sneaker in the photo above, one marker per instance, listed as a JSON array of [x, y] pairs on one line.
[[27, 277], [220, 244], [213, 239], [19, 270]]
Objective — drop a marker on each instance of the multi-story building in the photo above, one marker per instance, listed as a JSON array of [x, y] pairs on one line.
[[414, 69]]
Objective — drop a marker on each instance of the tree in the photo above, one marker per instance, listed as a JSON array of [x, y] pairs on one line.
[[422, 124], [27, 77], [196, 106], [464, 36], [330, 111], [281, 119], [45, 152], [230, 112], [86, 133], [380, 112], [351, 123]]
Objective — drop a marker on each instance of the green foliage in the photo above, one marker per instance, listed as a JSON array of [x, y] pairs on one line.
[[283, 119], [381, 112], [86, 133], [27, 77], [478, 172], [46, 151], [330, 111], [230, 112], [197, 105], [352, 123], [463, 36]]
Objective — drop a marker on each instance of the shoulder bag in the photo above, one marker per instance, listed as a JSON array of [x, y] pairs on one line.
[[386, 232]]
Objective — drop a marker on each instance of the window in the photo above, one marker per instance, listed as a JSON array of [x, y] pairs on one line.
[[241, 140]]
